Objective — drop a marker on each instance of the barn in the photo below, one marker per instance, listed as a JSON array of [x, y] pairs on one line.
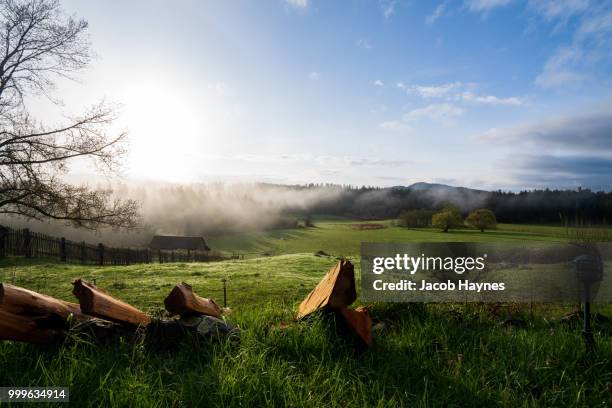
[[172, 243]]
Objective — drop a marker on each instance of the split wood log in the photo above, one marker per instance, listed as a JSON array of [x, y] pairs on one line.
[[46, 311], [16, 327], [182, 301], [96, 302], [360, 322], [335, 291]]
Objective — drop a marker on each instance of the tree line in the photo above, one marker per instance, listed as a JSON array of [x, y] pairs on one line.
[[535, 206]]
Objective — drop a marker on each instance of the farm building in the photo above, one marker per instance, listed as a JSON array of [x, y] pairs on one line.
[[171, 242]]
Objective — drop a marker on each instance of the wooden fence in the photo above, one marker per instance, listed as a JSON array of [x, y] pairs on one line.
[[23, 242]]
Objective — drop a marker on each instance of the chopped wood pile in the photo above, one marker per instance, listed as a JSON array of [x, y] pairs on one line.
[[32, 317], [335, 293]]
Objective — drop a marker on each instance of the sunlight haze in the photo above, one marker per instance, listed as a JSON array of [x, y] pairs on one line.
[[381, 93]]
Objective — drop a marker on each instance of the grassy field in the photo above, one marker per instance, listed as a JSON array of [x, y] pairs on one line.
[[432, 355], [341, 238]]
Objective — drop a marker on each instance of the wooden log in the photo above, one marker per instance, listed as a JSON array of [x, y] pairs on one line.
[[96, 302], [182, 301], [46, 311], [360, 322], [335, 291], [16, 327]]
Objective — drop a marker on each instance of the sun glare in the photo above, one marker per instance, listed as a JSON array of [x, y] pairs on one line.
[[167, 133]]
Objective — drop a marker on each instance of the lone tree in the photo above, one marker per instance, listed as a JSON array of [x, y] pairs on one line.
[[481, 219], [38, 44], [447, 218]]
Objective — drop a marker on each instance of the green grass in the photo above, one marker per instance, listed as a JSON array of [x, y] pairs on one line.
[[341, 239], [432, 355]]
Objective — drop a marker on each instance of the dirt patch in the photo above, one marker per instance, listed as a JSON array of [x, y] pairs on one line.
[[368, 226]]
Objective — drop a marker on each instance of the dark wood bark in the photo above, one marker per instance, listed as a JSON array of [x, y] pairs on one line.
[[96, 302], [182, 301], [16, 327], [32, 317], [335, 291]]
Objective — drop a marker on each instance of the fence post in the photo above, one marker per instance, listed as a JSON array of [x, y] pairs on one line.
[[83, 254], [101, 254], [224, 292], [3, 234], [159, 256], [27, 243], [172, 256], [62, 249]]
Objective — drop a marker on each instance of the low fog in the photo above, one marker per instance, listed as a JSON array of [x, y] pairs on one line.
[[218, 208], [199, 209]]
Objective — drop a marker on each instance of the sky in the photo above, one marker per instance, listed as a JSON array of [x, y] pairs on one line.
[[491, 94]]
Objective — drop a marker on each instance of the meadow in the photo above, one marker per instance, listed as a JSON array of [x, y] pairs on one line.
[[340, 237], [423, 355]]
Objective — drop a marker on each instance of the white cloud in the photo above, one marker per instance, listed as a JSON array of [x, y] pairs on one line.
[[400, 85], [486, 5], [559, 70], [433, 112], [559, 78], [395, 125], [458, 91], [597, 24], [364, 43], [436, 14], [388, 7], [490, 99], [558, 9], [586, 133], [299, 3], [293, 158], [442, 113], [313, 76], [576, 61], [439, 91], [558, 150], [376, 162], [378, 82]]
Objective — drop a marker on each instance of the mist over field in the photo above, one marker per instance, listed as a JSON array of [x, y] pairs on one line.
[[198, 209], [221, 208]]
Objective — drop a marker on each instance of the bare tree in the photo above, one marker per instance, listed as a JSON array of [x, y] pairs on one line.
[[38, 44]]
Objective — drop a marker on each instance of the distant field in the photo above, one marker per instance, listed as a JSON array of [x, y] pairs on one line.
[[340, 238], [436, 355]]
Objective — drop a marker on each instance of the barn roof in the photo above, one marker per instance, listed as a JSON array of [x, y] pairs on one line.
[[178, 242]]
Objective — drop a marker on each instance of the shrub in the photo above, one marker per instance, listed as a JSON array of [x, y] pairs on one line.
[[415, 218]]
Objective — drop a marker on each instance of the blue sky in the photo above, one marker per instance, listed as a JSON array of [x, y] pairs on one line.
[[487, 93]]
